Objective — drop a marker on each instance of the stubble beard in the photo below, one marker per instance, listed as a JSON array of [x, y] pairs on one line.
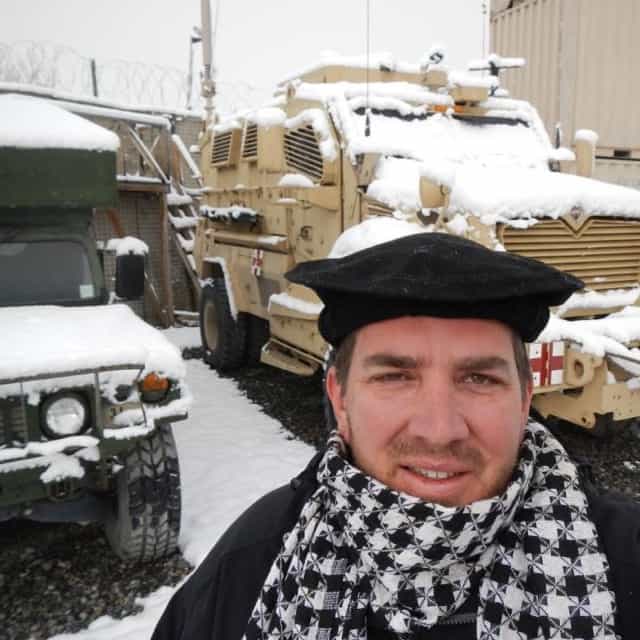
[[403, 448]]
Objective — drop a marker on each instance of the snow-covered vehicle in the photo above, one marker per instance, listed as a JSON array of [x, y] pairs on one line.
[[398, 148], [88, 391]]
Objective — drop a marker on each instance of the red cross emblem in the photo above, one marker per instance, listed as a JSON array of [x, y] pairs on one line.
[[547, 363], [256, 262]]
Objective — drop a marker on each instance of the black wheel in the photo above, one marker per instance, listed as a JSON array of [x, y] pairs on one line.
[[606, 427], [145, 522], [258, 335], [224, 338]]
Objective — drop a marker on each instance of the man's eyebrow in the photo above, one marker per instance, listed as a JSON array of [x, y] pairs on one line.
[[391, 360], [483, 363]]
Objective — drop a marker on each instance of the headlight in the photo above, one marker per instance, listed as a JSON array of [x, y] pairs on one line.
[[64, 415], [154, 388]]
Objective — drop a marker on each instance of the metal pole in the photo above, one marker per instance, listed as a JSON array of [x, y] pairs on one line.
[[486, 27], [208, 85], [94, 77], [190, 74]]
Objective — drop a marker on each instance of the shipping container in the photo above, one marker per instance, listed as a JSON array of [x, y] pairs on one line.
[[582, 69]]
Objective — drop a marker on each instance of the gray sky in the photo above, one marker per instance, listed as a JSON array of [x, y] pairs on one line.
[[259, 41]]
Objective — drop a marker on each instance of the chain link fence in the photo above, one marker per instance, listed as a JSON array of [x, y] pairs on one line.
[[59, 67]]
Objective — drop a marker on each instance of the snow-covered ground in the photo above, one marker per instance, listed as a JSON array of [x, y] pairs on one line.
[[230, 454]]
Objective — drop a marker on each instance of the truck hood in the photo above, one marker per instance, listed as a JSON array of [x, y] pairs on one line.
[[52, 340], [508, 194], [501, 194]]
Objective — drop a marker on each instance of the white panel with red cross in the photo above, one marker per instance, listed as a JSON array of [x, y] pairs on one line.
[[547, 363]]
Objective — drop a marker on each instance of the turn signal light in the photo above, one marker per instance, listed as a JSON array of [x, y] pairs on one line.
[[154, 388]]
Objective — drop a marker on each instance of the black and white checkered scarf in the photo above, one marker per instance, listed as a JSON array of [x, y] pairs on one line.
[[361, 552]]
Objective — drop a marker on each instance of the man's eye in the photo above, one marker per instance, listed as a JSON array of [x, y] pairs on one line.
[[393, 376], [481, 379]]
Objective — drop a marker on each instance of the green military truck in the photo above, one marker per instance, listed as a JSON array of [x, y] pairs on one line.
[[364, 154], [88, 391]]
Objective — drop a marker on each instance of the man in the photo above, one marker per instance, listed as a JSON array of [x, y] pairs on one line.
[[436, 511]]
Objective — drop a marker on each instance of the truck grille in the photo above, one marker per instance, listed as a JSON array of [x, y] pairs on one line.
[[302, 152], [605, 253], [13, 423]]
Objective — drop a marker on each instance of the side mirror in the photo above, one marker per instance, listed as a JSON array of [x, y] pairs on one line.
[[130, 256], [130, 276]]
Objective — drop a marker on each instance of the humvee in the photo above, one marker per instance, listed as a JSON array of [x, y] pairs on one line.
[[88, 391], [343, 146]]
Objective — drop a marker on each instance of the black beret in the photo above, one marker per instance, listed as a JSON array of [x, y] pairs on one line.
[[433, 274]]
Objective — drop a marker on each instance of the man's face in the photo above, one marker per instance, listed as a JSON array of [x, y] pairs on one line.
[[433, 407]]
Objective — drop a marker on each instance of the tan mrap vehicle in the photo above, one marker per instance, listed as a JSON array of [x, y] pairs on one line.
[[395, 149]]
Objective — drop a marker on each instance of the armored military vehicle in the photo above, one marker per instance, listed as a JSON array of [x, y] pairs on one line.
[[88, 391], [365, 150]]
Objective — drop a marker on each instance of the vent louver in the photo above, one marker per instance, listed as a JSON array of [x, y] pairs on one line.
[[603, 252], [221, 149], [377, 208], [250, 142], [302, 152]]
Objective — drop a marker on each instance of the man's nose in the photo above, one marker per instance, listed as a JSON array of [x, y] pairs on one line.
[[436, 414]]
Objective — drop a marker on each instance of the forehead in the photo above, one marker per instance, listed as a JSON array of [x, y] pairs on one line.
[[454, 337]]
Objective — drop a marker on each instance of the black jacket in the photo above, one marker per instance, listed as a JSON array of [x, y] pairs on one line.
[[216, 602]]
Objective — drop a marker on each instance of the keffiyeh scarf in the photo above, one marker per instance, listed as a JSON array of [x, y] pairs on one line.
[[361, 552]]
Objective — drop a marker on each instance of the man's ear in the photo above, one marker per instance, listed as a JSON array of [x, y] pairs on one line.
[[526, 401], [336, 397]]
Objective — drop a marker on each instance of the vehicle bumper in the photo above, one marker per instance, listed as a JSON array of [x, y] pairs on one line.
[[67, 475]]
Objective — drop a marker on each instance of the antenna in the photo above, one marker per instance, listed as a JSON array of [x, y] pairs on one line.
[[208, 85], [196, 36], [484, 28], [367, 117], [216, 21]]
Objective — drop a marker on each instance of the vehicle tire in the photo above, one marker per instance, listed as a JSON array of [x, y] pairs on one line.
[[224, 339], [258, 335], [145, 522], [606, 427]]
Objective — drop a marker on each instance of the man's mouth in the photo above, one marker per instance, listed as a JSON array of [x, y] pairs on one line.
[[431, 474]]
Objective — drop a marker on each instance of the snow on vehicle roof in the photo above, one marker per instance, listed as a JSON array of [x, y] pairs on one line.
[[33, 123], [39, 340], [403, 123], [375, 92], [384, 59]]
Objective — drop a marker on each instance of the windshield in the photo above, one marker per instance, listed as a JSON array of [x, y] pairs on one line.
[[44, 272], [478, 141]]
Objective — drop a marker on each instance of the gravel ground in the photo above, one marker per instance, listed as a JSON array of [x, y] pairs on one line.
[[58, 578]]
